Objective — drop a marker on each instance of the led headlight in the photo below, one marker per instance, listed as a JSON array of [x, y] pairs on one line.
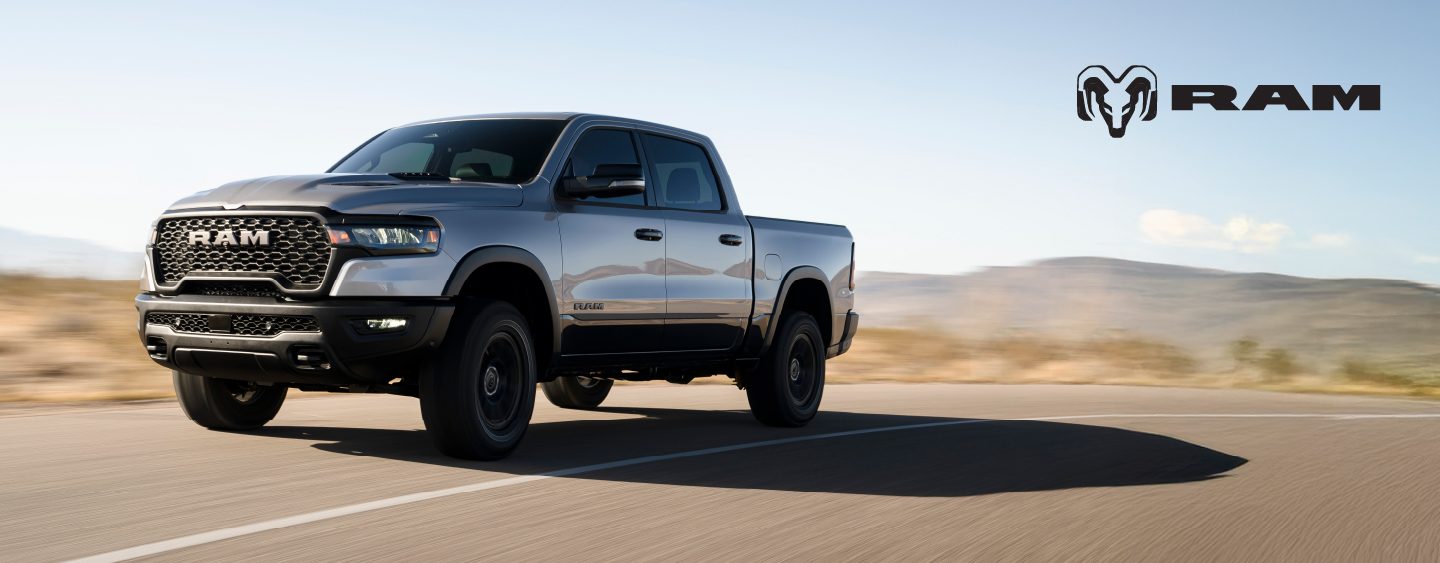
[[388, 239]]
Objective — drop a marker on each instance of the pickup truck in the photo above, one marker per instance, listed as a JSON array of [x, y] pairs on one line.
[[465, 260]]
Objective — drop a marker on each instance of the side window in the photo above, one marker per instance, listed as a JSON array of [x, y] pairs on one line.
[[683, 176], [409, 157], [604, 146]]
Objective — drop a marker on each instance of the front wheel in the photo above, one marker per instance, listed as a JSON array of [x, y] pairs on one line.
[[227, 404], [478, 394], [785, 389]]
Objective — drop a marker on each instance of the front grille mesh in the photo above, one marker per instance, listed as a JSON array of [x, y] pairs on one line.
[[243, 325], [299, 250], [233, 289], [267, 325], [180, 322]]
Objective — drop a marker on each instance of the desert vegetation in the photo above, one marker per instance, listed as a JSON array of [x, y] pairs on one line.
[[74, 340], [71, 339], [932, 355]]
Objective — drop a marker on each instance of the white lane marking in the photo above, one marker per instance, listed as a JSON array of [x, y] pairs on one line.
[[299, 519], [1337, 416]]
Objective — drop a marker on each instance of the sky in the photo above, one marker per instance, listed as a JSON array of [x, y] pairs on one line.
[[943, 134]]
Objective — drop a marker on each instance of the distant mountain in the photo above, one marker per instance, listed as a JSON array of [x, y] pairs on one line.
[[27, 253], [1323, 321]]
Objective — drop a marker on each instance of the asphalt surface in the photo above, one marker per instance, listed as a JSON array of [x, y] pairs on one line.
[[887, 472]]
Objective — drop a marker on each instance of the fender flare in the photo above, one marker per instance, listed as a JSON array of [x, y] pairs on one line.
[[484, 256], [795, 274]]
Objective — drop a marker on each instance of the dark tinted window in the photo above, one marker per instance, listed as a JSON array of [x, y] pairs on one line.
[[683, 176], [486, 150], [604, 146]]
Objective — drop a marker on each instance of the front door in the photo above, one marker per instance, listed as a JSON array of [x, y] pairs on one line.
[[613, 259]]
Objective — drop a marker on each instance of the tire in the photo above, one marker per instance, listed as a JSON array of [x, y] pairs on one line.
[[577, 392], [227, 404], [478, 394], [785, 389]]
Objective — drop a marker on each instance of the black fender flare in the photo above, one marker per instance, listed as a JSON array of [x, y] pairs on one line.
[[795, 274], [499, 254]]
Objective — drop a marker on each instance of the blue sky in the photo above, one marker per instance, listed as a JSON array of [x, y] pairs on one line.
[[943, 134]]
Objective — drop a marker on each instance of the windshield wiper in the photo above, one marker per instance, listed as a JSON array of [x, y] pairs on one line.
[[422, 176]]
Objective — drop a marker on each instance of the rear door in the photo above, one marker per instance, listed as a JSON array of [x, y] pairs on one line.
[[613, 258], [707, 248]]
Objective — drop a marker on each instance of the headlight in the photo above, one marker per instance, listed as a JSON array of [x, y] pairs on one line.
[[388, 239]]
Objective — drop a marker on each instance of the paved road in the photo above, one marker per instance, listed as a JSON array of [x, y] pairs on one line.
[[899, 472]]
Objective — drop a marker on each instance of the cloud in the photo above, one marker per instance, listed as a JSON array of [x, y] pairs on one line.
[[1427, 259], [1239, 234], [1330, 240]]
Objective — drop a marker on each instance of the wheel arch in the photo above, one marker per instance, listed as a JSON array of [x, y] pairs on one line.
[[517, 276], [805, 288]]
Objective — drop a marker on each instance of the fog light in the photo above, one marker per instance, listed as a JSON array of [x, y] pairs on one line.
[[386, 324]]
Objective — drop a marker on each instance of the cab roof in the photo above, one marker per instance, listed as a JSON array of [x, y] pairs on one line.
[[562, 116]]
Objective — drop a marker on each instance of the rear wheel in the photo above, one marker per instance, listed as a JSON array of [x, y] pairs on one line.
[[785, 389], [577, 391], [227, 404], [477, 396]]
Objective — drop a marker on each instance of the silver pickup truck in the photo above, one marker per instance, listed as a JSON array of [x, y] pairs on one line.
[[464, 260]]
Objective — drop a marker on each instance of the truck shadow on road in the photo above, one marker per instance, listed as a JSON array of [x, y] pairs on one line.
[[952, 460]]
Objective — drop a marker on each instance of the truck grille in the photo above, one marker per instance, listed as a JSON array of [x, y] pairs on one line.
[[243, 325], [299, 250]]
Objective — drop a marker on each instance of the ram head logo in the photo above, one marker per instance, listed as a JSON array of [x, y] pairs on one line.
[[1115, 100]]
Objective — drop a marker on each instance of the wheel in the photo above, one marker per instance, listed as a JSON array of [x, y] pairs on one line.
[[478, 394], [577, 391], [227, 404], [785, 389]]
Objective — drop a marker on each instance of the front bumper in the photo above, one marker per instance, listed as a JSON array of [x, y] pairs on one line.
[[338, 354]]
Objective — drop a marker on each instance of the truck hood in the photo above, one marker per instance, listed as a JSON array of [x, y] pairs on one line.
[[352, 193]]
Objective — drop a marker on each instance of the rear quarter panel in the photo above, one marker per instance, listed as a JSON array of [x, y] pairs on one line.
[[784, 248]]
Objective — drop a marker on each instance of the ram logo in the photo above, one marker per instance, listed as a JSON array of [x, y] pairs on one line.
[[1115, 100], [232, 238], [589, 306]]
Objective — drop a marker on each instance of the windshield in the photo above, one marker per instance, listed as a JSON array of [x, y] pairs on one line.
[[488, 150]]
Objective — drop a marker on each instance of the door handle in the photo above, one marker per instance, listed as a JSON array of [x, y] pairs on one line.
[[648, 234], [731, 240]]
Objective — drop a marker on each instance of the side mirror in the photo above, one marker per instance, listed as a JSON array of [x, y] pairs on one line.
[[609, 180]]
